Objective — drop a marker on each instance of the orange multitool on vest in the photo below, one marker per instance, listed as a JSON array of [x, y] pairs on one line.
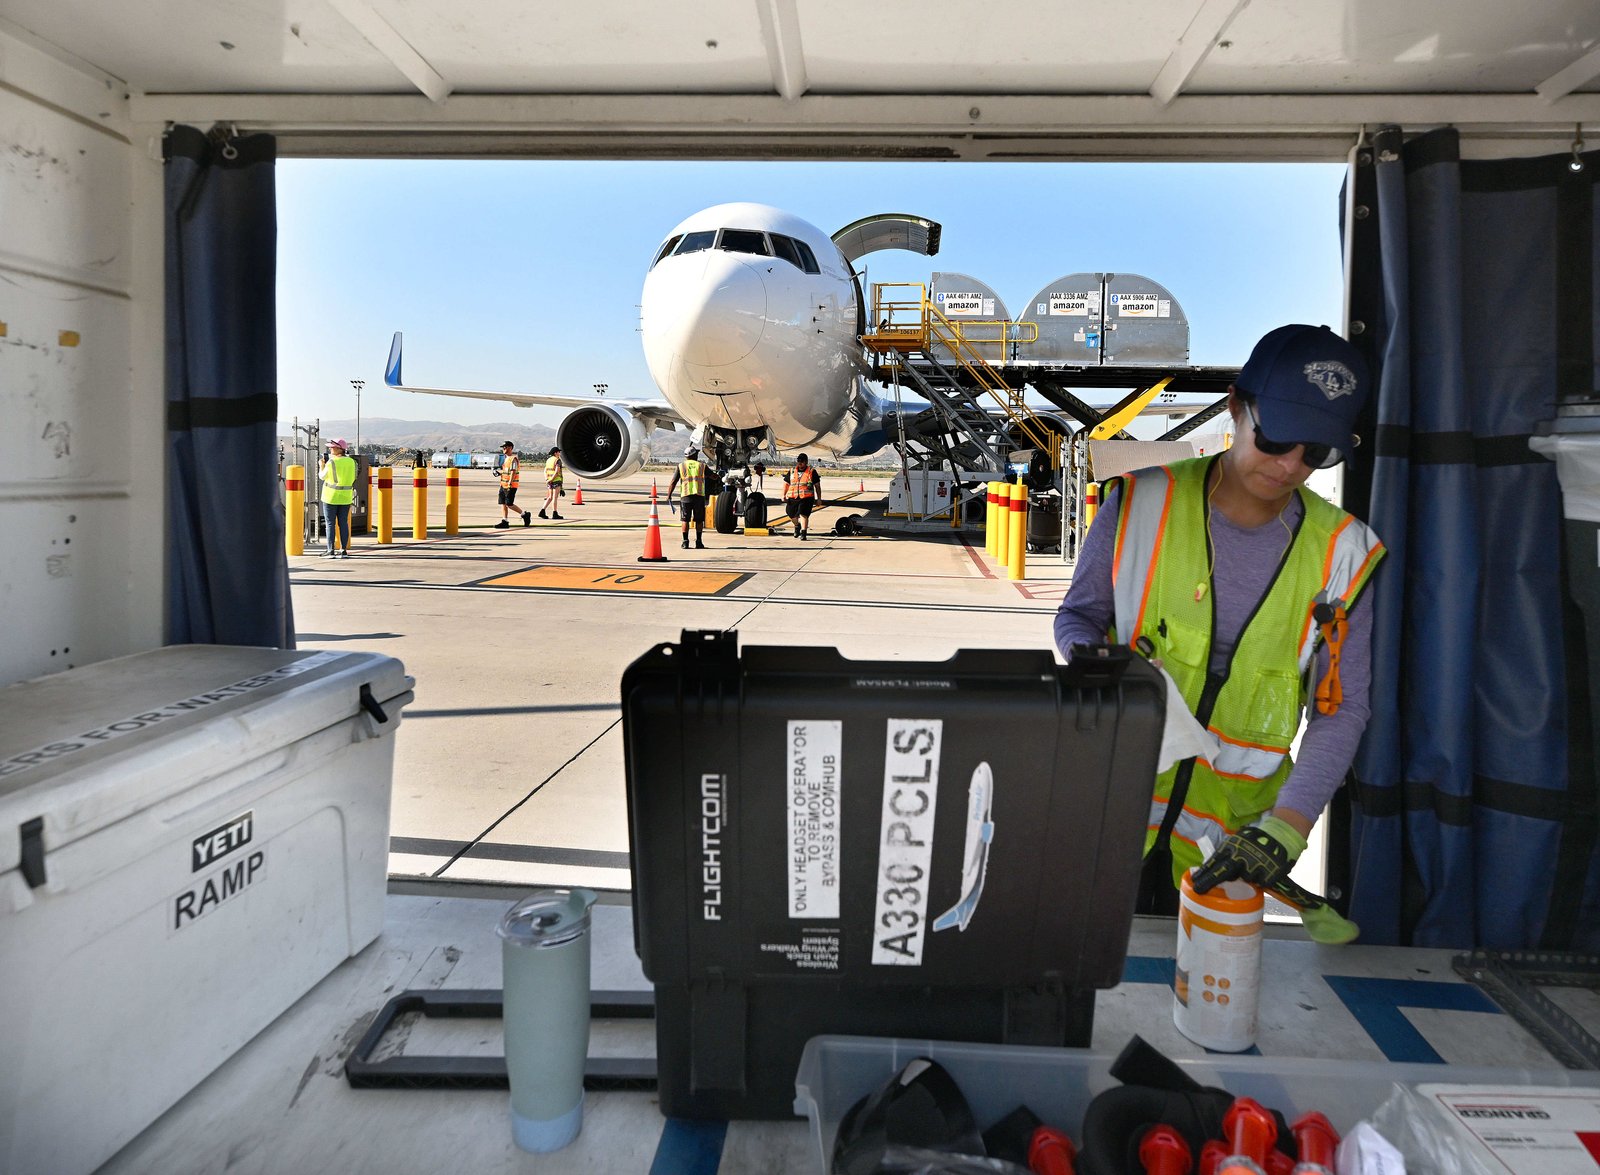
[[1335, 623]]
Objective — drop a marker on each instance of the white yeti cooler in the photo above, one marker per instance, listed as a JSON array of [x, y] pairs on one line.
[[190, 839]]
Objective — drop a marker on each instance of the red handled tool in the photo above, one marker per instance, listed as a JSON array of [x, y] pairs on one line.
[[1251, 1133], [1317, 1141], [1162, 1151], [1050, 1152]]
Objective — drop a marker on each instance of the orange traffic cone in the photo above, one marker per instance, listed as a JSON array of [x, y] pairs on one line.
[[861, 486], [577, 498], [652, 536]]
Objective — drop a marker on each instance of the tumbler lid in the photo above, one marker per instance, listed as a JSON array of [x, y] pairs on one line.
[[547, 918]]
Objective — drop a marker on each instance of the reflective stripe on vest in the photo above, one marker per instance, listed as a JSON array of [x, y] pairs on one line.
[[1190, 826], [510, 473], [1162, 589], [339, 480], [801, 484], [692, 478]]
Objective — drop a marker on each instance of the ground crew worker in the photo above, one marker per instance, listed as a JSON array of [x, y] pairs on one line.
[[510, 479], [691, 472], [338, 492], [552, 483], [1243, 585], [802, 486]]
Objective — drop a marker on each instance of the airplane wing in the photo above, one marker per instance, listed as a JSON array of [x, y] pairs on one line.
[[654, 411]]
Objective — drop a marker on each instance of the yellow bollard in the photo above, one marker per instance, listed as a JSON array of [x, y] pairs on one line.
[[419, 502], [452, 500], [1017, 563], [1091, 504], [294, 510], [1002, 537], [989, 524], [386, 504]]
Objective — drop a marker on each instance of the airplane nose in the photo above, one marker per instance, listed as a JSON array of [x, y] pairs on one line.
[[707, 308]]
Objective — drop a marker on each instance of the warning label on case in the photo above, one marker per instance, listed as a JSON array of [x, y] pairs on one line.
[[1527, 1130], [905, 840], [814, 818], [817, 950]]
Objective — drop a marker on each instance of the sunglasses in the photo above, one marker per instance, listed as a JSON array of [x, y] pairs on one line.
[[1313, 455]]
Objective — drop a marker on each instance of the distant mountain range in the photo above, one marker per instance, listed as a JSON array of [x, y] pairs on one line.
[[381, 436], [438, 435]]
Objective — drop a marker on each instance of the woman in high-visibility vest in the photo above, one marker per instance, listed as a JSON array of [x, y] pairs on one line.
[[552, 482], [338, 492], [801, 488], [1242, 585]]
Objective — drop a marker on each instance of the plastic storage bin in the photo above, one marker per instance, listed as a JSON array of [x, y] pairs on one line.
[[1057, 1084], [822, 845], [190, 839]]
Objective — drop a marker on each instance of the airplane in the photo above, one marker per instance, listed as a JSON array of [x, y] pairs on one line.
[[975, 853], [751, 321]]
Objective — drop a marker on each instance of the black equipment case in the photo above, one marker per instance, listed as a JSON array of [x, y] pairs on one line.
[[943, 850]]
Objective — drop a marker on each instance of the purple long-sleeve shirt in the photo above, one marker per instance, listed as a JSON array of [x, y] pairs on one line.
[[1246, 558]]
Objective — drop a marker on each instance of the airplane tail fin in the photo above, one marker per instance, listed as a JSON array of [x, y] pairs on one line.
[[391, 370]]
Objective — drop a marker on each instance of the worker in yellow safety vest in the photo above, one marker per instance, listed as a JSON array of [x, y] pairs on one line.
[[691, 473], [338, 493], [553, 493], [510, 479], [1243, 585], [802, 486]]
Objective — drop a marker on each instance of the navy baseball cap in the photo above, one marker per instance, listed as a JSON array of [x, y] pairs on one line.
[[1308, 385]]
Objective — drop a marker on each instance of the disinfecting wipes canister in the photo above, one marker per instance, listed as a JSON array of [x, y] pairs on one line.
[[1218, 974]]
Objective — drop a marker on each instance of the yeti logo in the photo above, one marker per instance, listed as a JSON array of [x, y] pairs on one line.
[[1333, 377]]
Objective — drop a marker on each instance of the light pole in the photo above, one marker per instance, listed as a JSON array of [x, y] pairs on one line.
[[602, 389], [358, 384]]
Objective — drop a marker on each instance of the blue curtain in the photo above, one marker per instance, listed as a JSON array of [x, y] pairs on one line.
[[227, 575], [1473, 294]]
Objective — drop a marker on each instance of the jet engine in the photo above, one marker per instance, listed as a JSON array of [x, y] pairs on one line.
[[602, 441]]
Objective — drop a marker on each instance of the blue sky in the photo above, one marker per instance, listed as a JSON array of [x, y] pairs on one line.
[[525, 275]]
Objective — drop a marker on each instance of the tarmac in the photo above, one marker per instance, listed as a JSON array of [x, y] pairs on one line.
[[509, 765]]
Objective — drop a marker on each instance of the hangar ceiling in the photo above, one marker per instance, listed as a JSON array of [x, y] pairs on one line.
[[1006, 79]]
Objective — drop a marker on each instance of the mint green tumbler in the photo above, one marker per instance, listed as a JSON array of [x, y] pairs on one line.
[[545, 954]]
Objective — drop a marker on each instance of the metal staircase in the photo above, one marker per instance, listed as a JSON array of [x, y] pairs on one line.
[[961, 427]]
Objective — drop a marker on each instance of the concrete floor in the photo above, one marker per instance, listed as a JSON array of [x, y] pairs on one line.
[[509, 763]]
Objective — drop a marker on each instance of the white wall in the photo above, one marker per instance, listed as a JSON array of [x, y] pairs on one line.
[[81, 403]]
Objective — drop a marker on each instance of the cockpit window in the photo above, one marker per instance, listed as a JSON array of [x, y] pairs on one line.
[[741, 240], [694, 242], [785, 247], [808, 259], [665, 249]]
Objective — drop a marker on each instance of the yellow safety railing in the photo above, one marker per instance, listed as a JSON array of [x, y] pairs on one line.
[[902, 323], [905, 324]]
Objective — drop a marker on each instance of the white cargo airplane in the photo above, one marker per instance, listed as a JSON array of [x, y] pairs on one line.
[[751, 320]]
